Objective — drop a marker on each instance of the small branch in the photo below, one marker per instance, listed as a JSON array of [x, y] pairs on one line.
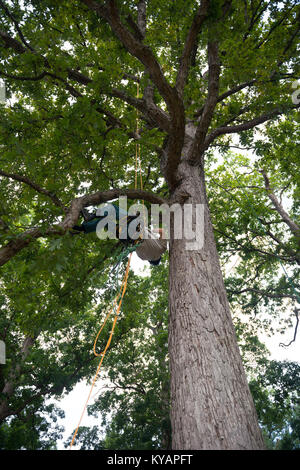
[[273, 28], [283, 214], [143, 53], [241, 111], [255, 17], [249, 245], [262, 293], [295, 332], [290, 41], [36, 187], [284, 247], [150, 112], [3, 225]]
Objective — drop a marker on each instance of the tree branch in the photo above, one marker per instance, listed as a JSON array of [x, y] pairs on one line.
[[36, 187], [255, 17], [245, 125], [27, 45], [295, 331], [210, 104], [262, 292], [136, 48], [22, 241], [283, 214], [170, 95], [190, 44], [12, 43], [142, 18]]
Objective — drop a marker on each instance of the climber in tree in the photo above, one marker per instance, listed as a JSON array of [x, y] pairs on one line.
[[150, 248]]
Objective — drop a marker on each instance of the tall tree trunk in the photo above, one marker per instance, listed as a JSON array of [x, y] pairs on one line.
[[211, 404]]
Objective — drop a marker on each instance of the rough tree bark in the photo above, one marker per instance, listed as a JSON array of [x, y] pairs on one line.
[[211, 405]]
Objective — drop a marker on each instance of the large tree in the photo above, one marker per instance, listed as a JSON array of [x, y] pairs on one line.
[[221, 68]]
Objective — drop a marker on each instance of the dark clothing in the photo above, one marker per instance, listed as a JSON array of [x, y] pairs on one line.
[[90, 225]]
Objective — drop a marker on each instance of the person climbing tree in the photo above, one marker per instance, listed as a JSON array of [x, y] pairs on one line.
[[150, 248]]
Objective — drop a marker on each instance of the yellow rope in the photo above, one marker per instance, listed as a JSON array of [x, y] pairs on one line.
[[118, 298], [102, 354]]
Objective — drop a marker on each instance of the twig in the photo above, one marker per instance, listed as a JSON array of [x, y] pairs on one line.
[[295, 332]]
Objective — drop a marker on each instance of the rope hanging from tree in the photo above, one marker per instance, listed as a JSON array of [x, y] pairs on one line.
[[117, 302]]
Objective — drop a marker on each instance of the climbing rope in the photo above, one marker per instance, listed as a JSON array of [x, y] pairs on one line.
[[117, 302]]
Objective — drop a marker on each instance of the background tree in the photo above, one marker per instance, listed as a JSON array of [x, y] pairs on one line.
[[73, 68], [253, 216]]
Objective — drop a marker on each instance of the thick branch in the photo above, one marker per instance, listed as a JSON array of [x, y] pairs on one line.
[[190, 45], [248, 245], [4, 7], [236, 89], [104, 196], [244, 126], [170, 95], [10, 384], [142, 18], [22, 241], [210, 104], [136, 48], [12, 43], [150, 112]]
